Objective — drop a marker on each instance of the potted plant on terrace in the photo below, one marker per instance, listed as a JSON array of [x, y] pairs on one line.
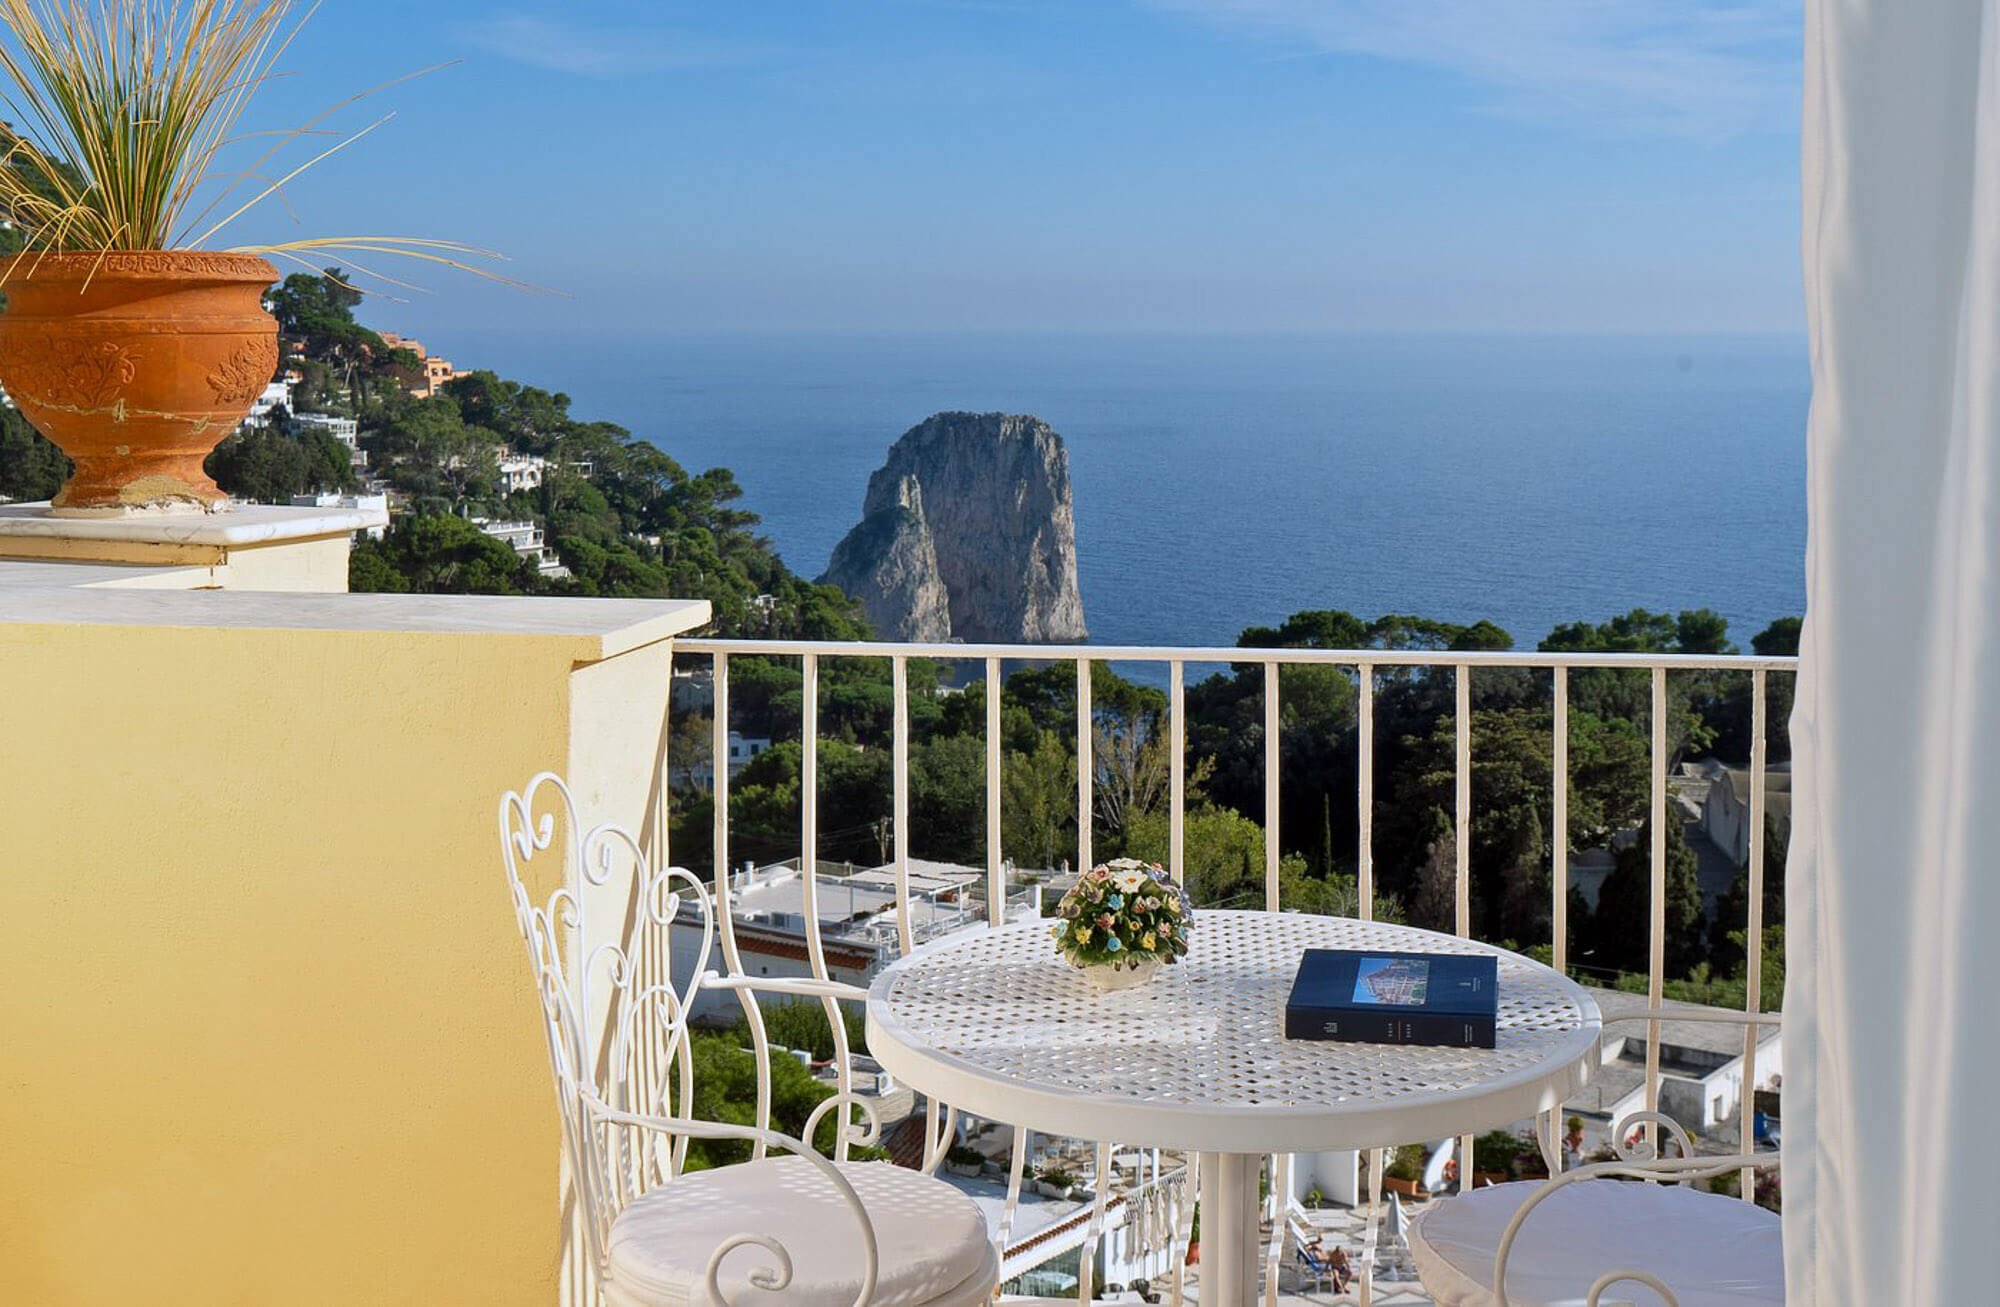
[[960, 1160], [126, 341], [1053, 1181], [1121, 922], [1404, 1171]]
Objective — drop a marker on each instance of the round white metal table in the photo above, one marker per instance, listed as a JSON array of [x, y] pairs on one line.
[[995, 1023]]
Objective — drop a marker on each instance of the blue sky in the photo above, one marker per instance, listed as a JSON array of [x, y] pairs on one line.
[[1189, 165]]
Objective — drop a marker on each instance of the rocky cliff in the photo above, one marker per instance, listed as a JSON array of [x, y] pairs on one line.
[[968, 532]]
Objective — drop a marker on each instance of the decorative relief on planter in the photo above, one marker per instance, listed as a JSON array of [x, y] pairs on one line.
[[67, 374], [241, 377], [177, 264]]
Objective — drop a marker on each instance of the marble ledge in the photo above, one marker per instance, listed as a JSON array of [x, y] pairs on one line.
[[240, 528], [46, 594]]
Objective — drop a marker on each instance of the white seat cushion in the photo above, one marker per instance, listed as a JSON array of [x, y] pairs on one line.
[[932, 1240], [1710, 1250]]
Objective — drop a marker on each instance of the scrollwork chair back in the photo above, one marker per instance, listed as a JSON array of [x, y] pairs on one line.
[[600, 944]]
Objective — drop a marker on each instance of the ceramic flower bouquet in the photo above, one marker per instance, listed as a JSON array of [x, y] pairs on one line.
[[1121, 922]]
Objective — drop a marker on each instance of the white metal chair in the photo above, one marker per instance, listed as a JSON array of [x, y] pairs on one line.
[[1568, 1240], [798, 1227]]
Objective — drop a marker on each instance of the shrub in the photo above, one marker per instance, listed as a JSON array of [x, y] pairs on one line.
[[1496, 1150]]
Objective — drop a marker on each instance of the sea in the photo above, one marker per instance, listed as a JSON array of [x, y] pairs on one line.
[[1228, 481]]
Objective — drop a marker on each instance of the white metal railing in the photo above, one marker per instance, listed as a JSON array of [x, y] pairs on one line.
[[1464, 666]]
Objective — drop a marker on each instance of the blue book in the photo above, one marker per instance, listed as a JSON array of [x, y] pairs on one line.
[[1371, 997]]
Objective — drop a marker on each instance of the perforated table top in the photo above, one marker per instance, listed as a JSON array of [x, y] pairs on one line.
[[995, 1023]]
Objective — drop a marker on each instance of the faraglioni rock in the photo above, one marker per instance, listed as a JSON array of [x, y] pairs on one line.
[[968, 532]]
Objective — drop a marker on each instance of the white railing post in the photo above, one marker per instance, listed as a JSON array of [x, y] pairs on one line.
[[1559, 825], [1364, 882], [1364, 739], [899, 768], [1462, 850], [1086, 775], [1272, 725], [996, 876], [1753, 933], [1177, 771], [1656, 963]]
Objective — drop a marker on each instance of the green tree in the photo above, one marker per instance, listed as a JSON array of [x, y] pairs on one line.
[[948, 799], [1038, 803], [1222, 853], [268, 464], [437, 553], [30, 467], [725, 1090], [1621, 928]]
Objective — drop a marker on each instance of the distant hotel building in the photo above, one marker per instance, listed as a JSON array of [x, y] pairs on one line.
[[431, 372], [526, 539], [328, 499], [346, 430], [521, 472], [742, 748], [277, 394]]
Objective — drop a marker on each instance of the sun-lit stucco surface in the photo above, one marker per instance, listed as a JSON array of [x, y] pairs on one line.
[[269, 1036]]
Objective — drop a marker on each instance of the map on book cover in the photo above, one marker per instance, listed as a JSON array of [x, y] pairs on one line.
[[1402, 982]]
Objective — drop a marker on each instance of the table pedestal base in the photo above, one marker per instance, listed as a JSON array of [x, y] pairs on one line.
[[1229, 1228]]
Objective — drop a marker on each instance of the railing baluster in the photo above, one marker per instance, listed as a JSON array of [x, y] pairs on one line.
[[725, 917], [1272, 725], [1364, 737], [1656, 963], [1177, 771], [1462, 850], [1086, 775], [1017, 1165], [1559, 826], [996, 880], [1184, 1225], [1462, 803], [899, 770], [1087, 1263], [1364, 884], [1281, 1215], [1753, 934]]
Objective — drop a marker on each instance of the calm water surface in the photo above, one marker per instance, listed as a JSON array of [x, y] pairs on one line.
[[1227, 481]]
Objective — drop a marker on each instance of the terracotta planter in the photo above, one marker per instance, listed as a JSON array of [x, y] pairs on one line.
[[137, 364]]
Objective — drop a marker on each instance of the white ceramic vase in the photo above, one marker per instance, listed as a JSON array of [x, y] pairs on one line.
[[1106, 979]]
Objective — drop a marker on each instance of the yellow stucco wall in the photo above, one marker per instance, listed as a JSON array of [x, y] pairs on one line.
[[268, 1036]]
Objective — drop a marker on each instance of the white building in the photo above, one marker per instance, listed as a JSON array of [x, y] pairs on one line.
[[346, 430], [277, 393], [521, 472], [1725, 811], [1701, 1065], [742, 748], [526, 539], [331, 500]]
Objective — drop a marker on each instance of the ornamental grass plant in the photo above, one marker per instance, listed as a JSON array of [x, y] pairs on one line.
[[126, 129]]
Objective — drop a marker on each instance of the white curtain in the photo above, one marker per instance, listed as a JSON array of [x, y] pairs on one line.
[[1892, 1043]]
